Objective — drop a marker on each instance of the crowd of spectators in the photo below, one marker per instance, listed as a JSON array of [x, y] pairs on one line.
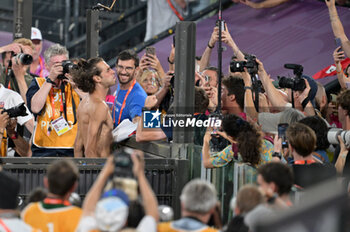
[[70, 108]]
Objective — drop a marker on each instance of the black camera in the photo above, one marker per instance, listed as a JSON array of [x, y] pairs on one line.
[[250, 64], [19, 110], [24, 59], [123, 164], [297, 83], [67, 66]]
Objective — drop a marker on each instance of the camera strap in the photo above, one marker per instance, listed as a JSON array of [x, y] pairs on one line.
[[64, 103], [256, 89], [175, 11], [10, 75]]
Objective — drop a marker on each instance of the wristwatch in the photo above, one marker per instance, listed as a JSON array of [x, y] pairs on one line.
[[272, 199], [48, 80], [277, 154]]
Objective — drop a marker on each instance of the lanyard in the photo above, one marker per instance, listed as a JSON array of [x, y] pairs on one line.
[[175, 11], [4, 226], [55, 201], [52, 97], [304, 161], [41, 67], [63, 105], [123, 105]]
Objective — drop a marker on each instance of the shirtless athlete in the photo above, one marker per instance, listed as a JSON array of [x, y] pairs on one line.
[[95, 123]]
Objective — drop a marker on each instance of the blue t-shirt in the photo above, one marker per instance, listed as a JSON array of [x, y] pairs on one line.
[[133, 105]]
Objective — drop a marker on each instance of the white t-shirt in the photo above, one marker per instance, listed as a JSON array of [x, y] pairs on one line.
[[160, 17], [9, 99], [15, 225], [88, 223]]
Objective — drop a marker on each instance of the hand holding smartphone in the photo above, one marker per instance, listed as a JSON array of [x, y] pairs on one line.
[[338, 44], [282, 127]]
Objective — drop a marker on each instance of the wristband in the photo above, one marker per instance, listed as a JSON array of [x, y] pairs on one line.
[[14, 136], [248, 87], [48, 80], [211, 47], [145, 109], [170, 61]]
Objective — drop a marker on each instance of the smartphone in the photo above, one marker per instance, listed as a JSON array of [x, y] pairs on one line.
[[150, 50], [223, 28], [282, 127], [338, 44], [334, 98]]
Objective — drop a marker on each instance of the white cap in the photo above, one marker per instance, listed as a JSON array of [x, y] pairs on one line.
[[36, 34]]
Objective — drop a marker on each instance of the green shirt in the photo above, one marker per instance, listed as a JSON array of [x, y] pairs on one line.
[[28, 79]]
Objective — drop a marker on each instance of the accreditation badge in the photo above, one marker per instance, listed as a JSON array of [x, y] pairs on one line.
[[60, 125]]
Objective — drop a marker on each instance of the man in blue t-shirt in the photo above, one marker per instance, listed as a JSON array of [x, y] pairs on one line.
[[129, 96]]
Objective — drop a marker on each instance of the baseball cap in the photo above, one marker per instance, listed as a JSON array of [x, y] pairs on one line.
[[36, 34], [112, 210]]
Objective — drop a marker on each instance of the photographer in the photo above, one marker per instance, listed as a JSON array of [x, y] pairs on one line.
[[279, 100], [91, 218], [247, 145], [15, 74], [54, 102], [11, 101]]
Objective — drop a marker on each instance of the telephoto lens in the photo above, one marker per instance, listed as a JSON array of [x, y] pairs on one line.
[[25, 59]]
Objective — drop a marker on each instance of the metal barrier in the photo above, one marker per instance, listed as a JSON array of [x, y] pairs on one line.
[[166, 176]]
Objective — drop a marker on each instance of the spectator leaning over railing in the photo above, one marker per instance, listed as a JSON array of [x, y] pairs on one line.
[[337, 27], [55, 213], [247, 146], [198, 202], [54, 101], [110, 213], [201, 105]]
